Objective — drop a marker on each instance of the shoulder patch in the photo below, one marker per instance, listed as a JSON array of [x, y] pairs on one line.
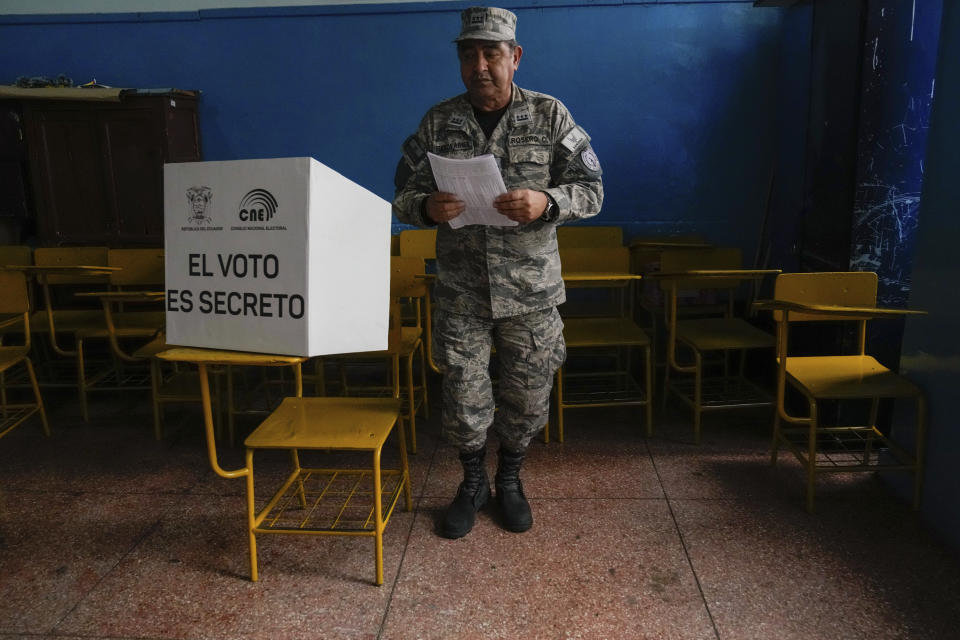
[[413, 152], [590, 160], [574, 139]]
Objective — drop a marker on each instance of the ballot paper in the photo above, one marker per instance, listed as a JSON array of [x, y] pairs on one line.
[[476, 181]]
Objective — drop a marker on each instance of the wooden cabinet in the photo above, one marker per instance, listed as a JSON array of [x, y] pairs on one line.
[[96, 168]]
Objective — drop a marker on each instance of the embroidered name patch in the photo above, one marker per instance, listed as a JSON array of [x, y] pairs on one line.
[[514, 141], [459, 145]]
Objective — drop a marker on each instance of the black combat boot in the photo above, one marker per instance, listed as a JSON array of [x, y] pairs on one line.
[[472, 495], [514, 508]]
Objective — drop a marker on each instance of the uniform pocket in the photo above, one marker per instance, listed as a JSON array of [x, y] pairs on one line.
[[529, 168]]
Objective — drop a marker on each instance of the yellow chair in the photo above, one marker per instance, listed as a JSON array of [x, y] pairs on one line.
[[645, 252], [140, 269], [838, 297], [137, 268], [316, 501], [709, 327], [406, 284], [61, 272], [577, 236], [17, 254], [422, 243], [604, 334], [14, 312], [419, 243], [174, 384]]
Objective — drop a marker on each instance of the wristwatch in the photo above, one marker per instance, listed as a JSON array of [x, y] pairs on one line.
[[550, 213]]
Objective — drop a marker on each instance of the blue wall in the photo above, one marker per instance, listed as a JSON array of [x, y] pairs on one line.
[[931, 350], [680, 98], [782, 229]]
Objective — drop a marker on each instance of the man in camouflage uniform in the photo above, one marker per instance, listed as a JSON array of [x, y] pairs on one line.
[[498, 286]]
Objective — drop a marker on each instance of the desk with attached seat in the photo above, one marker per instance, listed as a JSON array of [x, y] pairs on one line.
[[313, 501]]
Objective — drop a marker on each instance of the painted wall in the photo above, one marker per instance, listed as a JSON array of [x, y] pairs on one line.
[[781, 245], [679, 98], [931, 350], [135, 6]]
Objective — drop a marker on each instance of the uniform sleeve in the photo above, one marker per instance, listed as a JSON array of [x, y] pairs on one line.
[[575, 175], [413, 181]]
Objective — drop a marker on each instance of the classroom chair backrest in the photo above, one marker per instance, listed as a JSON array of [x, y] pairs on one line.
[[680, 260], [138, 267], [15, 254], [678, 238], [844, 289], [419, 243], [598, 259], [13, 293], [72, 256], [577, 236], [645, 250], [404, 282]]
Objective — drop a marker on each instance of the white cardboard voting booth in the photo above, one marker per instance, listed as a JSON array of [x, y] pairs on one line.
[[281, 256]]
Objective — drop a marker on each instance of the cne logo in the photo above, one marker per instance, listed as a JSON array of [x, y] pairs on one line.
[[258, 205]]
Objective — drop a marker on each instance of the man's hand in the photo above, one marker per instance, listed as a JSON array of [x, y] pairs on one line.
[[522, 205], [444, 207]]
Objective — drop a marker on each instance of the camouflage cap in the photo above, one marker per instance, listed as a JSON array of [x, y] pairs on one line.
[[487, 23]]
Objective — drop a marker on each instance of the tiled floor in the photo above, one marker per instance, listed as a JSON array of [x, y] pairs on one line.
[[107, 533]]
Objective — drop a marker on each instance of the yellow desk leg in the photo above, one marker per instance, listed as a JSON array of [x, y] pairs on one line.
[[237, 473], [251, 519], [412, 404], [295, 459], [559, 384], [378, 517], [812, 455], [648, 372], [208, 428], [918, 457]]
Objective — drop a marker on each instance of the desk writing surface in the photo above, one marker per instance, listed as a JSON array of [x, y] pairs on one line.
[[834, 310], [669, 244], [124, 296], [200, 355], [599, 276], [361, 424], [713, 273], [63, 270]]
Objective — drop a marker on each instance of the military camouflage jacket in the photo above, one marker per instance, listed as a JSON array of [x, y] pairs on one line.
[[500, 272]]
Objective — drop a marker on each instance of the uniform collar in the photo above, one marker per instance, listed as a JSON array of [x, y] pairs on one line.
[[517, 115]]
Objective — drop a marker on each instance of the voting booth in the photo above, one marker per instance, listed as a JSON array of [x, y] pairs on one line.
[[281, 256]]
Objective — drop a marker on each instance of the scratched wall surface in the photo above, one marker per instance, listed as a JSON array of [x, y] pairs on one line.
[[900, 52]]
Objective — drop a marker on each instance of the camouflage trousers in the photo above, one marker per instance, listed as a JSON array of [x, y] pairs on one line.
[[529, 349]]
